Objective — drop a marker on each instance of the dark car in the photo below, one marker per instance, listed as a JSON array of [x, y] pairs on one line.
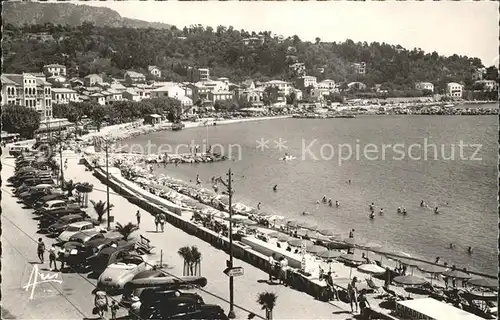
[[84, 237], [105, 257], [182, 307], [54, 195], [32, 180], [34, 194], [52, 217], [59, 226]]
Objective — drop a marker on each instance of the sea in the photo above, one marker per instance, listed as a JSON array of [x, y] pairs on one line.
[[449, 162]]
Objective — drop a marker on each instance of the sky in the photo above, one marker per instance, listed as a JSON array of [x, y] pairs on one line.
[[448, 27]]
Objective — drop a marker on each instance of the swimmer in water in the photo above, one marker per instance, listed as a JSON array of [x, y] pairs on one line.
[[381, 211], [399, 209], [349, 181], [330, 203], [451, 246], [469, 250], [436, 211], [275, 188], [372, 207], [337, 204], [258, 205], [404, 211], [372, 215], [324, 199], [304, 213], [422, 203]]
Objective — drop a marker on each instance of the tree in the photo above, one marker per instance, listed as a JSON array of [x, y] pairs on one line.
[[98, 115], [100, 208], [126, 230], [318, 40], [70, 111], [192, 260], [268, 301], [20, 119]]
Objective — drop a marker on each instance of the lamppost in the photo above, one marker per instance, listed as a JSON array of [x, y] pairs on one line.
[[107, 185], [230, 192]]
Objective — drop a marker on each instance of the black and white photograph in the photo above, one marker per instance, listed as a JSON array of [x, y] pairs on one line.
[[268, 160]]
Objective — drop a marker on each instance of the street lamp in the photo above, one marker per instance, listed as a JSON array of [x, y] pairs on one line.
[[107, 186], [231, 314]]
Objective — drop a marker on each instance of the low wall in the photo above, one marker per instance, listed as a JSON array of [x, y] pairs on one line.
[[268, 249], [241, 248]]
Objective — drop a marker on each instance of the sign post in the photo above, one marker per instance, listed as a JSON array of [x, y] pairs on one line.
[[234, 271]]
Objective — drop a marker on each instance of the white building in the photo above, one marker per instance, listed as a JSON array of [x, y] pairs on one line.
[[98, 98], [282, 86], [489, 85], [54, 70], [454, 90], [424, 86], [28, 90], [327, 84], [64, 95], [171, 91], [155, 71], [306, 81]]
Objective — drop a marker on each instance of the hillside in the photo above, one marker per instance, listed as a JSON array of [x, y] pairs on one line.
[[20, 13], [89, 49]]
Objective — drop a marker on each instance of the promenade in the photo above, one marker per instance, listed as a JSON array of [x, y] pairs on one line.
[[291, 304]]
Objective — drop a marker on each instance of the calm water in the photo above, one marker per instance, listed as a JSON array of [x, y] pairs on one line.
[[469, 186]]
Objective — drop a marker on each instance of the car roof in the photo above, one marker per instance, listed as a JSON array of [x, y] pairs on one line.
[[71, 216], [86, 234], [80, 224], [50, 202]]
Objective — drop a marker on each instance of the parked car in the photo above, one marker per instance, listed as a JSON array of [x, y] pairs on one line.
[[54, 195], [58, 204], [85, 237], [156, 280], [82, 226], [51, 217], [105, 257], [41, 189], [64, 222], [120, 272], [182, 307]]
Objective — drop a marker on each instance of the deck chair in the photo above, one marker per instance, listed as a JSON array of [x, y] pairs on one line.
[[372, 285], [392, 294]]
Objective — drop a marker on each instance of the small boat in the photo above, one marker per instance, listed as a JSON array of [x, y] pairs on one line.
[[346, 116]]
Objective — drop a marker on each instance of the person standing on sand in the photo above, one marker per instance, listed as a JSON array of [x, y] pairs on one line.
[[352, 293], [157, 221], [40, 249], [138, 216], [162, 221], [271, 261]]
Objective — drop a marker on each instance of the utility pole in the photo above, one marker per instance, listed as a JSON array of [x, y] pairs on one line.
[[107, 184], [230, 192]]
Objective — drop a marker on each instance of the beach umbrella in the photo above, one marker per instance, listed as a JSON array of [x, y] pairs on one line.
[[484, 283], [315, 249], [408, 262], [238, 217], [481, 295], [327, 232], [320, 237], [354, 242], [292, 223], [409, 280], [307, 225], [279, 235], [431, 268], [371, 268], [457, 274], [224, 199], [348, 257], [298, 242], [338, 245], [303, 232], [247, 222], [372, 246], [330, 254]]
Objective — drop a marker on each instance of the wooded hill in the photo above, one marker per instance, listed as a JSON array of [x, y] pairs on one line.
[[88, 49]]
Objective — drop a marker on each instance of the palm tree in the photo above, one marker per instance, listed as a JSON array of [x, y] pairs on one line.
[[268, 301], [126, 230], [192, 260], [101, 208]]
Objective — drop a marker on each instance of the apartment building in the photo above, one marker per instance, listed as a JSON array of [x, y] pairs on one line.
[[64, 95], [454, 90], [489, 85], [359, 68], [54, 70], [306, 81], [424, 86], [198, 74], [28, 90]]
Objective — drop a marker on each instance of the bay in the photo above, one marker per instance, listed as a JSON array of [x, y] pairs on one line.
[[464, 189]]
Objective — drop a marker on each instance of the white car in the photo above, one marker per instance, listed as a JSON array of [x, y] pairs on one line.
[[74, 228], [53, 205]]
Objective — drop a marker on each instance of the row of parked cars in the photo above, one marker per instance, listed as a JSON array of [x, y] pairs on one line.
[[119, 264]]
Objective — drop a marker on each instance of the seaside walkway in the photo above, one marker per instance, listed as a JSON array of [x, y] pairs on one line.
[[291, 304]]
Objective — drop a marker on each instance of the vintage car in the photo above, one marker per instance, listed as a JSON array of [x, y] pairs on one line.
[[61, 225], [54, 195], [57, 205], [106, 256], [182, 307], [81, 226], [49, 218], [156, 280], [85, 237], [33, 193], [120, 272]]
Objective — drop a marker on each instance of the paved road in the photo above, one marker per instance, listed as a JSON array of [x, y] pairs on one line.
[[72, 299]]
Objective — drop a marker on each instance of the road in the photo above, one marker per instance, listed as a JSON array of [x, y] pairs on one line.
[[72, 299]]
